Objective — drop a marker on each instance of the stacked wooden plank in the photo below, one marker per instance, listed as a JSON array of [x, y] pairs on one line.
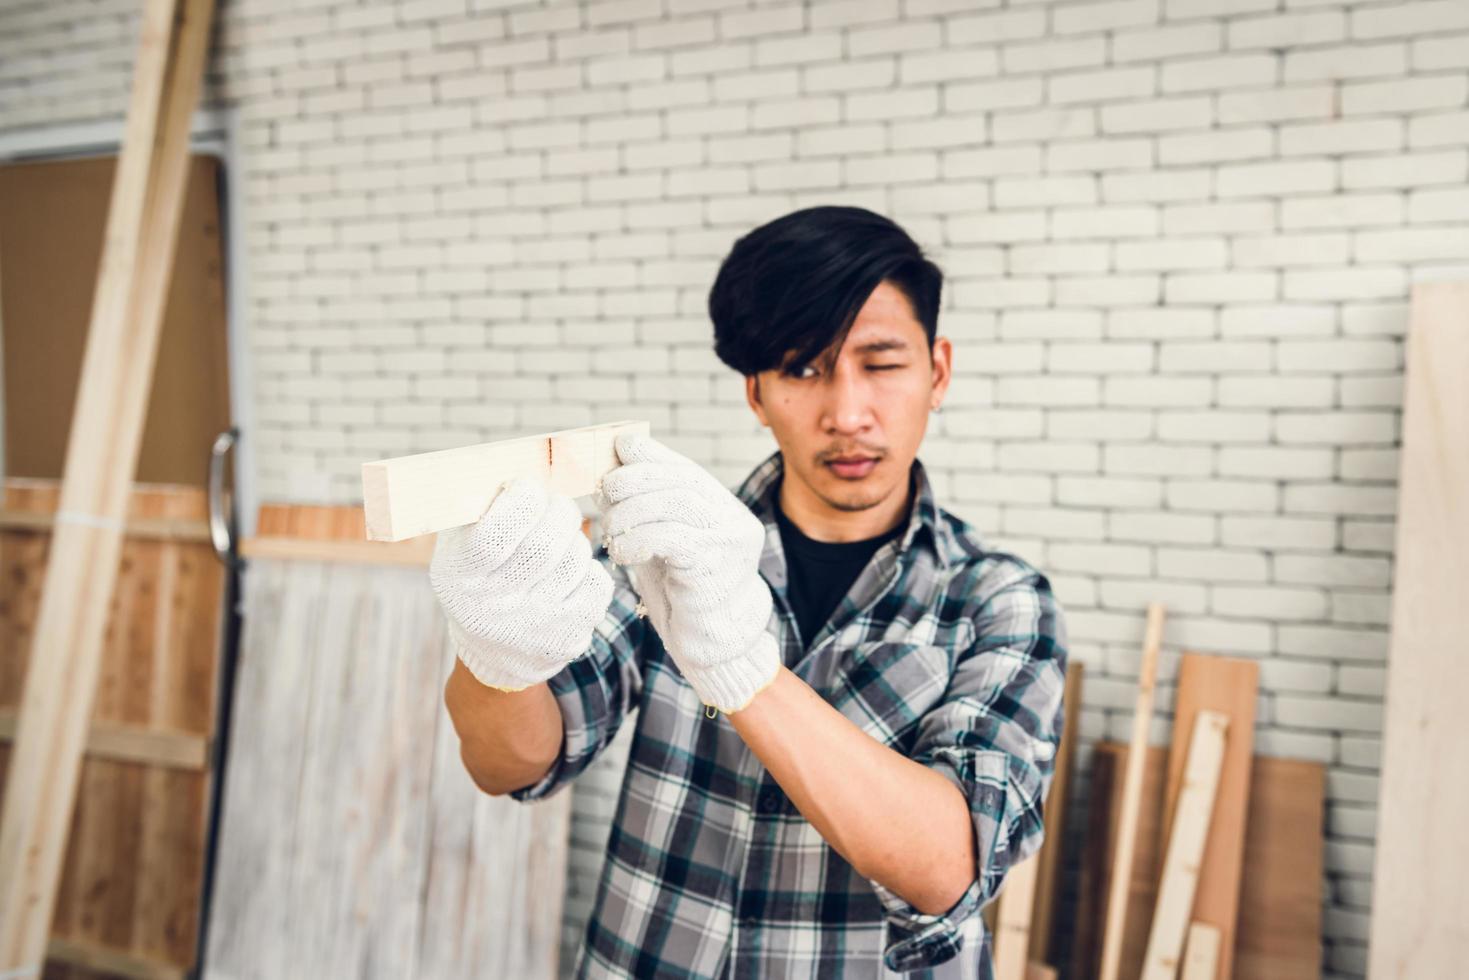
[[129, 894], [1278, 930], [354, 843]]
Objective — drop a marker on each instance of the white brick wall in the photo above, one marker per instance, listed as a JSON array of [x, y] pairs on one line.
[[1179, 236]]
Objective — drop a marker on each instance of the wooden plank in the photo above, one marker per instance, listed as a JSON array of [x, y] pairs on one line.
[[1419, 891], [1131, 793], [1012, 921], [1058, 801], [411, 495], [133, 743], [1279, 936], [1230, 686], [101, 458], [1185, 850], [1201, 956]]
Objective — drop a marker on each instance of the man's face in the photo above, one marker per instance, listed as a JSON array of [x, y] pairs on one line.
[[869, 401]]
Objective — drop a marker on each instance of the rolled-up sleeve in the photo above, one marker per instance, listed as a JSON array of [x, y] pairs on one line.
[[597, 691], [993, 735]]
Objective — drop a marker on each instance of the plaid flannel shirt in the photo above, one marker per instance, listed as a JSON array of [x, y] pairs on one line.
[[943, 650]]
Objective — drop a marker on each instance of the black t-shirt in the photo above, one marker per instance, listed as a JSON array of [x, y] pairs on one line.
[[819, 573]]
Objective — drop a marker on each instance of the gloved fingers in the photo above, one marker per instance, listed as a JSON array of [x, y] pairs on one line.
[[545, 546], [591, 597], [634, 478], [568, 571], [645, 542], [485, 545], [634, 447], [678, 505]]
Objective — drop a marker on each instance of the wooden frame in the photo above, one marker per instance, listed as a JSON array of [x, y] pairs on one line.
[[101, 459], [411, 495]]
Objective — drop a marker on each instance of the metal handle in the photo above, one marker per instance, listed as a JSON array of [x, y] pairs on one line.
[[222, 526]]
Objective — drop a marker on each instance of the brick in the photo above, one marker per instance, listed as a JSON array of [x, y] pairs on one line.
[[1402, 19], [1158, 115], [1275, 178], [1345, 61], [1104, 222], [1341, 211], [1053, 55], [1404, 94], [1277, 104], [1219, 73], [1097, 155], [1407, 170], [1290, 250], [1095, 17], [1102, 86], [1439, 129], [1172, 41], [1218, 145], [1360, 136], [1433, 53]]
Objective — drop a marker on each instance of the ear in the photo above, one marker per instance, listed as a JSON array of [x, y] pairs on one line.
[[943, 367], [752, 395]]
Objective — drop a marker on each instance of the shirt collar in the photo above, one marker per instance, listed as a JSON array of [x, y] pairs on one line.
[[760, 491]]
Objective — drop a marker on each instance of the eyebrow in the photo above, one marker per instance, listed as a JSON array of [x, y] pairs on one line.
[[885, 343]]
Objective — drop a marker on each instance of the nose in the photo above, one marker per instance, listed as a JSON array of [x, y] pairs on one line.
[[848, 403]]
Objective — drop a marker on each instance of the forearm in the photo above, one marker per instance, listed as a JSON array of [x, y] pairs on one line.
[[507, 739], [895, 820]]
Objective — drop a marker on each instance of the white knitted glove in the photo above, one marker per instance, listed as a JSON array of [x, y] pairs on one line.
[[520, 587], [697, 548]]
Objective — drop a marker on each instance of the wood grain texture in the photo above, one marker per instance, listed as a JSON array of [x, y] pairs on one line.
[[131, 878], [1230, 686], [45, 765], [1201, 955], [1058, 803], [354, 841], [1012, 921], [1279, 934], [411, 495], [1420, 889], [1184, 851], [1117, 905]]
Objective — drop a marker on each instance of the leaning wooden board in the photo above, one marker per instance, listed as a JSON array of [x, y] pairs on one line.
[[1278, 932], [1419, 893], [131, 881], [1230, 686], [353, 841]]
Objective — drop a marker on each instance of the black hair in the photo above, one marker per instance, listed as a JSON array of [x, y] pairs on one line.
[[798, 282]]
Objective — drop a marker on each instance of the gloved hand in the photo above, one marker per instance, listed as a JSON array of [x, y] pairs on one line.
[[697, 550], [520, 586]]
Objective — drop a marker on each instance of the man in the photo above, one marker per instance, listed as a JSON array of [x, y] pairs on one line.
[[847, 707]]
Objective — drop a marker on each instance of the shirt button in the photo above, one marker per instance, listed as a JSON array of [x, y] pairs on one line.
[[770, 800], [748, 921]]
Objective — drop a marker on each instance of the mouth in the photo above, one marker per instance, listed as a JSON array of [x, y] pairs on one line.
[[852, 468]]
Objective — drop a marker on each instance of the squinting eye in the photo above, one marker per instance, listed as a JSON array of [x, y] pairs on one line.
[[887, 367]]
